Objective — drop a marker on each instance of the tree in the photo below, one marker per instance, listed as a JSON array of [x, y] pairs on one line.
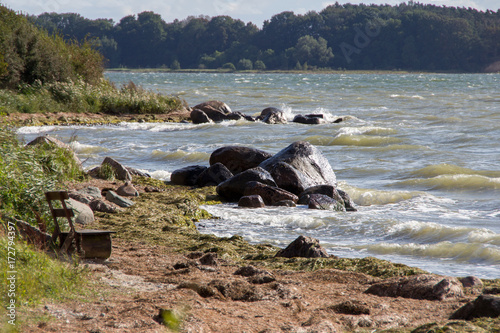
[[259, 65], [245, 64], [313, 51]]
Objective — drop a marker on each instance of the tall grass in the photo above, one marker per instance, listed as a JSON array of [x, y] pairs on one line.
[[27, 172], [79, 96]]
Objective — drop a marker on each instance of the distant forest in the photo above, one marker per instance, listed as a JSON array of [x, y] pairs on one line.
[[409, 36]]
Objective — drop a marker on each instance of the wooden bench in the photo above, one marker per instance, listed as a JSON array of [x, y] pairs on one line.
[[87, 243]]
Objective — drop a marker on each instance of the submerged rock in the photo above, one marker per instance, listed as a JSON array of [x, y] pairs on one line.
[[199, 117], [300, 166], [309, 119], [273, 116]]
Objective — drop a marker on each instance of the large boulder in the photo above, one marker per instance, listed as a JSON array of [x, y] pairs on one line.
[[233, 188], [214, 105], [214, 175], [300, 166], [187, 176], [483, 306], [273, 116], [303, 246], [238, 158], [121, 171], [199, 117], [270, 194], [47, 139], [328, 190], [83, 213], [127, 190], [423, 286], [251, 201], [214, 110]]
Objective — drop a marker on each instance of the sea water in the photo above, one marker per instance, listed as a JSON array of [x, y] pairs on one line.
[[418, 153]]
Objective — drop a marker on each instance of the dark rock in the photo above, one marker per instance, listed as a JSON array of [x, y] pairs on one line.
[[338, 120], [351, 308], [423, 286], [251, 201], [324, 202], [327, 190], [121, 171], [300, 166], [273, 116], [348, 203], [136, 172], [303, 246], [187, 176], [99, 205], [119, 200], [209, 259], [199, 117], [483, 306], [237, 158], [233, 188], [214, 175], [262, 279], [270, 194], [127, 190], [308, 119], [214, 105], [286, 203], [235, 116]]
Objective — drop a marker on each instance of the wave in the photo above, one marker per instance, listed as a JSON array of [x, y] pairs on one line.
[[35, 129], [368, 197], [454, 182], [407, 96], [462, 252], [195, 156], [81, 148], [352, 140], [450, 169]]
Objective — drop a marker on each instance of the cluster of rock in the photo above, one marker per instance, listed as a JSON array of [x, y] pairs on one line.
[[298, 174], [217, 111]]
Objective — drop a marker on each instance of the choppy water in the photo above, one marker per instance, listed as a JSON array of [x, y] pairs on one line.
[[419, 154]]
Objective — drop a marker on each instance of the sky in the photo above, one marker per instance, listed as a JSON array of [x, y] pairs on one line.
[[255, 11]]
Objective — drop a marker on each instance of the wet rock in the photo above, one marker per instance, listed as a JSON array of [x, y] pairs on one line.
[[120, 170], [119, 200], [83, 213], [217, 105], [270, 194], [348, 203], [286, 203], [136, 172], [233, 188], [273, 116], [214, 175], [423, 286], [199, 117], [327, 190], [127, 190], [238, 158], [303, 246], [483, 306], [323, 202], [187, 176], [251, 201], [309, 119], [300, 166]]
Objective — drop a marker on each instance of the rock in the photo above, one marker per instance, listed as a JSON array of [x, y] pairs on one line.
[[78, 196], [136, 172], [99, 205], [233, 188], [83, 213], [273, 116], [348, 203], [217, 105], [286, 203], [327, 190], [238, 158], [324, 202], [214, 175], [209, 259], [120, 171], [270, 194], [351, 308], [423, 286], [303, 246], [127, 190], [91, 191], [251, 201], [483, 306], [300, 166], [309, 119], [199, 117], [248, 271], [473, 285], [187, 176], [119, 200], [47, 139]]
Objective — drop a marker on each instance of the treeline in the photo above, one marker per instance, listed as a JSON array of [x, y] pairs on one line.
[[409, 36]]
